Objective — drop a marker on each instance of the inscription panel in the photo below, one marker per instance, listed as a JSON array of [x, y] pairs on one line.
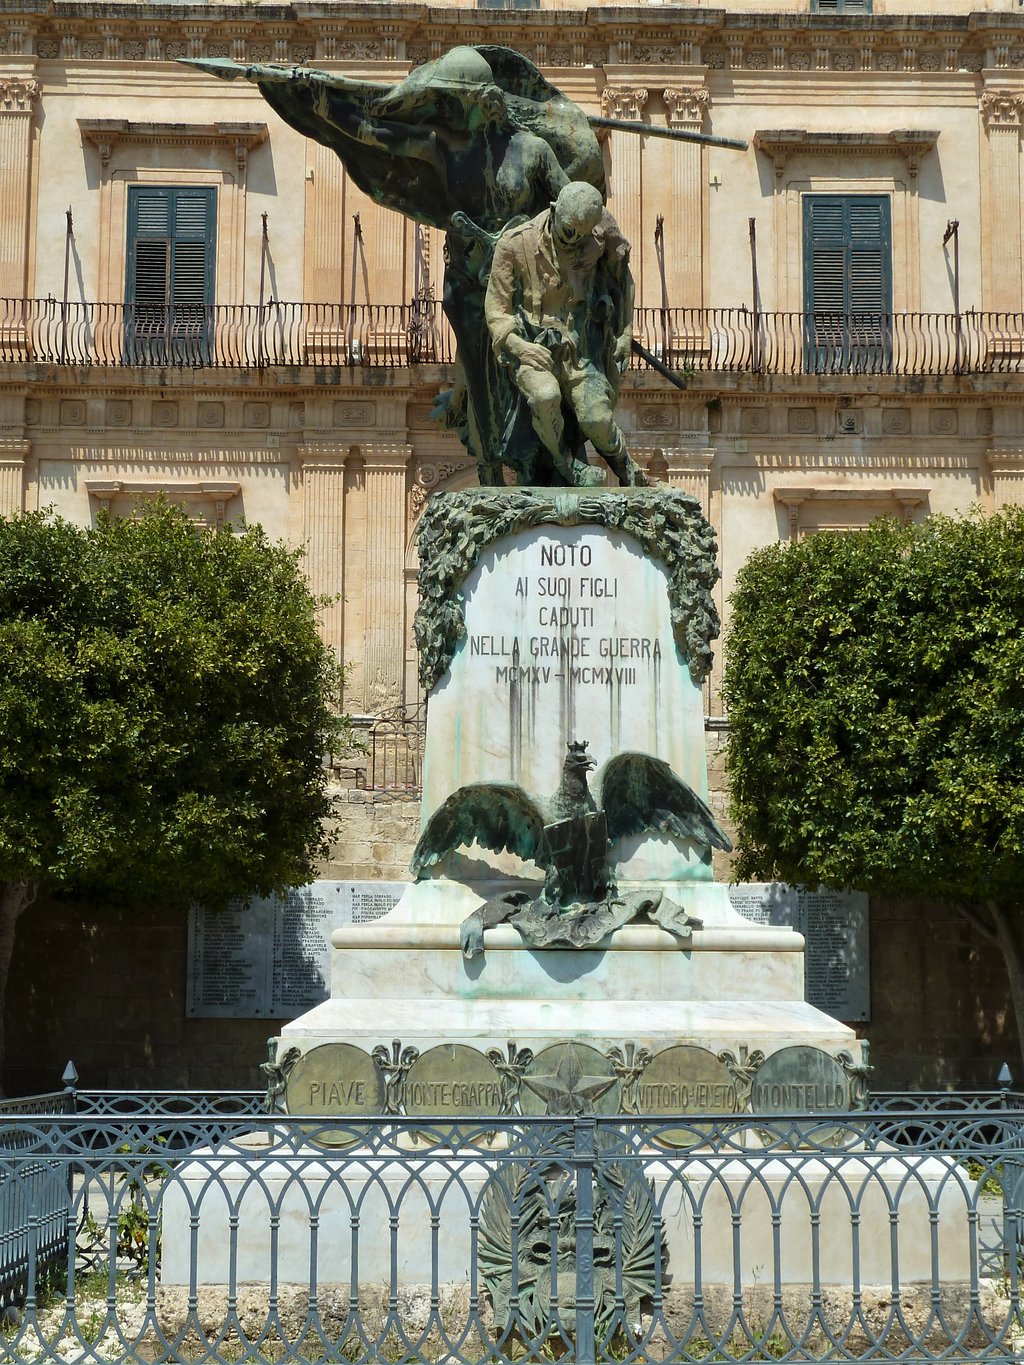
[[835, 928], [572, 634], [686, 1080], [271, 959], [569, 635], [335, 1078]]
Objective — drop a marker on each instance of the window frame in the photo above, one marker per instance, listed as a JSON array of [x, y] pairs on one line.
[[129, 153], [837, 340], [841, 6], [179, 329]]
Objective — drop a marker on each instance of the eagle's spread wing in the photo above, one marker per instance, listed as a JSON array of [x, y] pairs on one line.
[[640, 792], [498, 815]]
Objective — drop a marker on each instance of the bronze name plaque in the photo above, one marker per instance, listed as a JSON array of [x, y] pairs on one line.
[[685, 1080], [800, 1080], [335, 1080], [452, 1079]]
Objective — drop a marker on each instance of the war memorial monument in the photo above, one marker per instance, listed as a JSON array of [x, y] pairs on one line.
[[565, 949]]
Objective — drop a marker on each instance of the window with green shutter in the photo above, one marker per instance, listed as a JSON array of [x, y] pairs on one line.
[[840, 6], [169, 286], [847, 243]]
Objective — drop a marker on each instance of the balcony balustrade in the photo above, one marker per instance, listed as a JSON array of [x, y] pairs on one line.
[[688, 341]]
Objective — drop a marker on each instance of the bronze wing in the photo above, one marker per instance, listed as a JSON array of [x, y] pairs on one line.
[[498, 815], [640, 792]]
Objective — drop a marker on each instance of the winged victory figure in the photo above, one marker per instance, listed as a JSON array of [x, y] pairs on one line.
[[570, 836]]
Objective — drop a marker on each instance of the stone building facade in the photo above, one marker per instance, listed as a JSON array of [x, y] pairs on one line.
[[842, 303]]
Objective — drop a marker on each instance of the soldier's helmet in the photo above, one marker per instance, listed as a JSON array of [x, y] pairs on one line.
[[577, 211]]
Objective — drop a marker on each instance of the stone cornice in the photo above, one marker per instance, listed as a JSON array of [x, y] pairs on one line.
[[597, 36], [904, 500], [206, 491], [906, 497], [106, 134], [782, 143]]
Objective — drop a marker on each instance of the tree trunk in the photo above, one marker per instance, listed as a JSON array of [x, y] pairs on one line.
[[14, 898], [1008, 936]]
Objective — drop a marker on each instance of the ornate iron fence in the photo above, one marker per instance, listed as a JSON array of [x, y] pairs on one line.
[[224, 1236], [33, 1206], [686, 340]]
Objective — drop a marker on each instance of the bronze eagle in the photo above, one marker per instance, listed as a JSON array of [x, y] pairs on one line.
[[570, 835]]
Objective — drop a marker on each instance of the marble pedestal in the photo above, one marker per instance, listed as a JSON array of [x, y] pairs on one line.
[[733, 984], [301, 1219]]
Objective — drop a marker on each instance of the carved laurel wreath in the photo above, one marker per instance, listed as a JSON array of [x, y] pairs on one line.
[[528, 1219], [457, 527]]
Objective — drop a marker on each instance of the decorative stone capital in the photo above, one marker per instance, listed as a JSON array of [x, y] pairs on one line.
[[687, 107], [684, 462], [623, 102], [324, 454], [385, 456], [1002, 110], [1008, 463], [430, 474], [18, 96]]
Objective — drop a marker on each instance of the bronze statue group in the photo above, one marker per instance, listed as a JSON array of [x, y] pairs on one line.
[[537, 284]]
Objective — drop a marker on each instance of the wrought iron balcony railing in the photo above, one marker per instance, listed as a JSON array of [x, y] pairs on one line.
[[686, 340]]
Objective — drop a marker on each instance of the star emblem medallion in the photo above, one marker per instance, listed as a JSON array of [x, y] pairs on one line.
[[568, 1089]]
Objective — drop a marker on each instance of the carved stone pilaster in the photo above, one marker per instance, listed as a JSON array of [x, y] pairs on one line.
[[323, 482], [385, 469], [17, 102], [687, 107], [684, 254], [625, 180], [690, 470], [13, 454], [1001, 113]]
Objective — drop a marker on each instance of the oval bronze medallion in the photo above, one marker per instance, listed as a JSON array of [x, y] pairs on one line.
[[452, 1079]]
